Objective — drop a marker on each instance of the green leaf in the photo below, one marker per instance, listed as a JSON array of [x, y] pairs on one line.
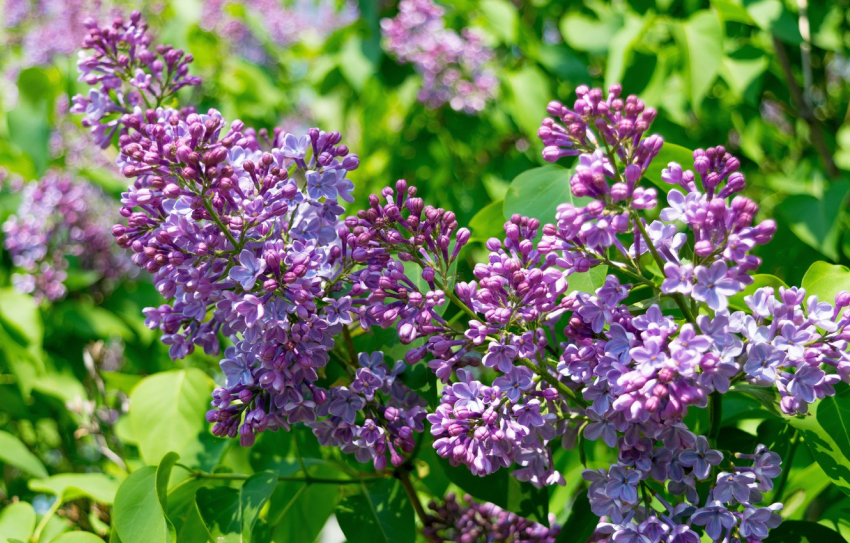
[[670, 152], [69, 486], [488, 222], [528, 501], [584, 33], [826, 430], [803, 531], [298, 511], [817, 221], [621, 47], [588, 281], [20, 315], [774, 17], [743, 70], [15, 453], [530, 93], [163, 474], [167, 412], [502, 18], [494, 488], [380, 513], [701, 39], [733, 11], [138, 515], [581, 523], [826, 280], [538, 192], [17, 521], [76, 537], [229, 513], [760, 280]]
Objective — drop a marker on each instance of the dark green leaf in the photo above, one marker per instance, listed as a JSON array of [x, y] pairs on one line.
[[802, 531], [229, 513], [817, 221], [379, 513], [528, 501]]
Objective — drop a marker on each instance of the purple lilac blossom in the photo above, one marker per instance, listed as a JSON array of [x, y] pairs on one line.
[[456, 521], [454, 67], [61, 219]]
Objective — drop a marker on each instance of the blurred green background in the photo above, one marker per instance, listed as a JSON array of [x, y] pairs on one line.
[[768, 79]]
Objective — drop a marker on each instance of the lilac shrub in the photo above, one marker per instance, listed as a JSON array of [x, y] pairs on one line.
[[244, 234], [61, 218], [454, 67]]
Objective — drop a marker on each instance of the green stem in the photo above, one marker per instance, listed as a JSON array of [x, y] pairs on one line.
[[552, 380], [783, 479], [45, 519], [220, 224], [404, 477], [715, 415], [678, 298], [309, 479]]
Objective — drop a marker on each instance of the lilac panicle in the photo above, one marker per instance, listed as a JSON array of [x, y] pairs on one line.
[[454, 67], [61, 218]]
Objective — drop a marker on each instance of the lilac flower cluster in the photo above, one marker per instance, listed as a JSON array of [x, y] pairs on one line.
[[46, 28], [474, 522], [283, 24], [58, 220], [126, 74], [626, 493], [389, 410], [454, 67]]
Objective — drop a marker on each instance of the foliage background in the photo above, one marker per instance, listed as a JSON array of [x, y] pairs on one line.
[[725, 72]]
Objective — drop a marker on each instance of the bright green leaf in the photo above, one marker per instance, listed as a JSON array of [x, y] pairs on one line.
[[826, 430], [826, 280], [20, 314], [774, 17], [68, 486], [529, 95], [760, 280], [588, 281], [502, 18], [138, 516], [584, 33], [17, 521], [380, 513], [76, 537], [538, 192], [15, 453], [670, 152], [167, 412], [701, 38], [621, 47], [488, 222]]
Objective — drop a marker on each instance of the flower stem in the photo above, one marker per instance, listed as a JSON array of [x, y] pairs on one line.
[[306, 478], [404, 477], [715, 415]]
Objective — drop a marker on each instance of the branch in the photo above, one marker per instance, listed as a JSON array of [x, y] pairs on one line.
[[806, 112], [404, 477], [306, 478]]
